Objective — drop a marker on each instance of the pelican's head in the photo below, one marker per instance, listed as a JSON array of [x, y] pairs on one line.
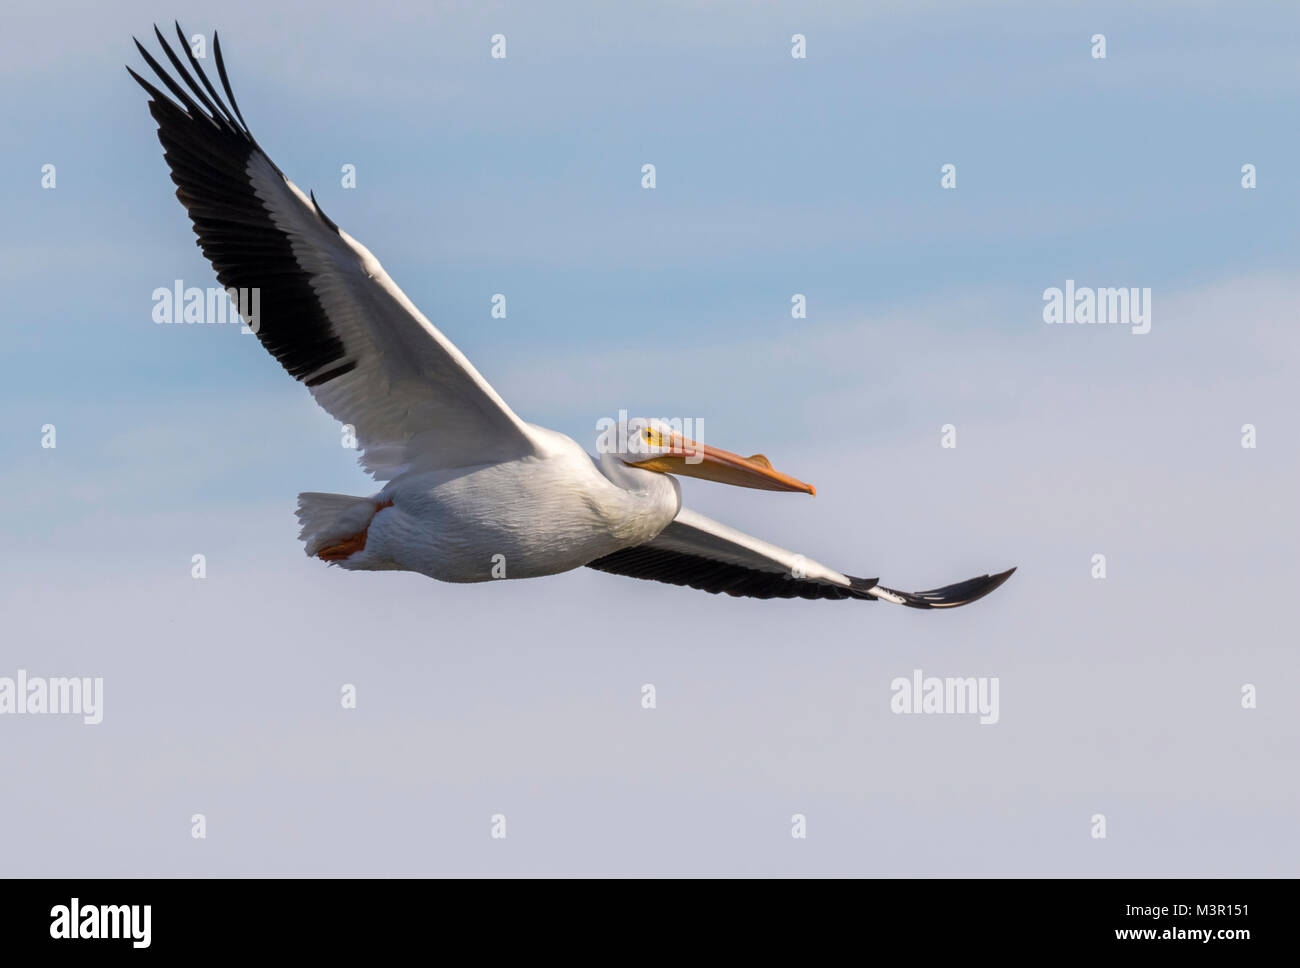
[[655, 445]]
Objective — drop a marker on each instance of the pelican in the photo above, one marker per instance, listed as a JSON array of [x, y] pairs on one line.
[[470, 492]]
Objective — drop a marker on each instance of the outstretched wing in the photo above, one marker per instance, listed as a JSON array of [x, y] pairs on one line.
[[701, 553], [325, 307]]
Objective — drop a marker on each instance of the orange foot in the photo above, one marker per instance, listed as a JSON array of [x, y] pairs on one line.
[[349, 546]]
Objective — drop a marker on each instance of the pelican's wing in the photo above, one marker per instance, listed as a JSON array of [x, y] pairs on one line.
[[696, 551], [325, 308]]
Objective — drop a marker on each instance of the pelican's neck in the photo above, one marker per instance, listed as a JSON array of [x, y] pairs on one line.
[[645, 500]]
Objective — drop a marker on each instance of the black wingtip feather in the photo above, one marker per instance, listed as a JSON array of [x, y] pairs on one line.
[[177, 91], [225, 81], [952, 596], [321, 212], [209, 150], [198, 69], [152, 91], [861, 586], [212, 114]]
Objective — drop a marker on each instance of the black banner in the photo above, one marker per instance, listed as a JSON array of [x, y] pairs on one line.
[[172, 917]]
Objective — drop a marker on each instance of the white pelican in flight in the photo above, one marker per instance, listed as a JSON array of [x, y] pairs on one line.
[[469, 488]]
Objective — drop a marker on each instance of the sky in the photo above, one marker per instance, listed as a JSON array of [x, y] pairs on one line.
[[1121, 697]]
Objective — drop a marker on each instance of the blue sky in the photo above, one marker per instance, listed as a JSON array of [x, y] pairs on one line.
[[774, 176]]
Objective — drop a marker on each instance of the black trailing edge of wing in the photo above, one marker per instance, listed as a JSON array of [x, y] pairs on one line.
[[208, 147], [706, 574], [696, 571]]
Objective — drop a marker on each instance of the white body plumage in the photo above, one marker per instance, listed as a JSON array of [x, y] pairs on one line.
[[538, 515]]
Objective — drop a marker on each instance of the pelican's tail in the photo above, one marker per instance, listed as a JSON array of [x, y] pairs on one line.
[[334, 525]]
